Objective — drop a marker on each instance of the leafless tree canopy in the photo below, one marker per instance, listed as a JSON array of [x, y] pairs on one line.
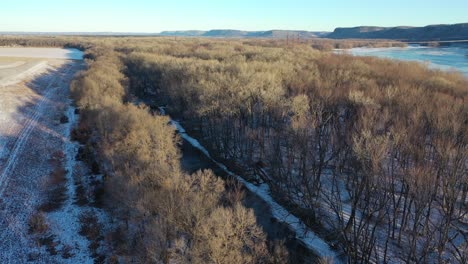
[[370, 151]]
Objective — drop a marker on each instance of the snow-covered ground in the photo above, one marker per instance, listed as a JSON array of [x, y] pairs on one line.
[[18, 64], [50, 53], [31, 139], [13, 75], [8, 65]]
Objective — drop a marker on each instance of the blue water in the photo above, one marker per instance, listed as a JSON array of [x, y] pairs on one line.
[[445, 58]]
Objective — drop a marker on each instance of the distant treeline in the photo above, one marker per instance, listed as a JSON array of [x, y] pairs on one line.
[[59, 41], [83, 43], [330, 44]]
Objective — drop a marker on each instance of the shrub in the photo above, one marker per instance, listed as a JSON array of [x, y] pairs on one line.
[[38, 223]]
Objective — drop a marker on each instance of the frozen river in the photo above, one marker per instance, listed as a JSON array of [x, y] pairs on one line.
[[446, 58]]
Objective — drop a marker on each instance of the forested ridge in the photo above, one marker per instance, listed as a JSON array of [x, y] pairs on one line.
[[370, 153]]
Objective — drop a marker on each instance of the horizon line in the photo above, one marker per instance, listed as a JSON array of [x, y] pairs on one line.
[[184, 30]]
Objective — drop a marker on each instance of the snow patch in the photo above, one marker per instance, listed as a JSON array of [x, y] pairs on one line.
[[12, 65], [50, 53], [17, 78], [65, 222]]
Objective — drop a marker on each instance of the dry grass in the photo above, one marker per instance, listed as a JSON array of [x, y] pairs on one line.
[[49, 242], [92, 230], [81, 134], [38, 223], [38, 226], [55, 186]]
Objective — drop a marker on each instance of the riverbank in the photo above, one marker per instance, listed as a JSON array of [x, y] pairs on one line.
[[450, 58]]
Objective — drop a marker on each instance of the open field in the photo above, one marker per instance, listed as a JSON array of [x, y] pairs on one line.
[[36, 153], [17, 71], [18, 64], [48, 53]]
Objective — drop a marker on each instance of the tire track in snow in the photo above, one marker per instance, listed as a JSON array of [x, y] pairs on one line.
[[26, 132], [3, 143], [22, 245], [8, 129], [19, 77]]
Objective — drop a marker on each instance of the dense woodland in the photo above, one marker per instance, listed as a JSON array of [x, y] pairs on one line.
[[371, 153], [371, 150], [169, 217]]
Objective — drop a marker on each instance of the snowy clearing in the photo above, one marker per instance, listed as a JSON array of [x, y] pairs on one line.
[[49, 53], [35, 145], [18, 64], [4, 65]]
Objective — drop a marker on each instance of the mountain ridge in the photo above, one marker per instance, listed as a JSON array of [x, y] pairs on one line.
[[234, 33], [407, 33], [213, 33], [439, 32]]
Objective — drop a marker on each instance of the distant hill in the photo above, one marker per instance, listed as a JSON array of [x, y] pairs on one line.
[[215, 33], [25, 33], [232, 33], [427, 33], [294, 33], [186, 33]]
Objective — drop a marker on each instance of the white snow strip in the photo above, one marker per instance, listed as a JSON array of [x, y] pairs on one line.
[[303, 233], [49, 53], [65, 222]]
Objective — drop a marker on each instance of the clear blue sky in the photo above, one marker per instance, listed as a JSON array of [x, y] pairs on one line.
[[155, 15]]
